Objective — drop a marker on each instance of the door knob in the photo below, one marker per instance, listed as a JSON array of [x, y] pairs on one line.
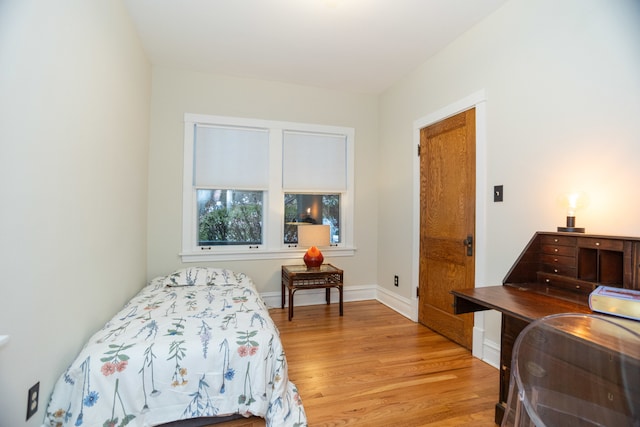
[[468, 242]]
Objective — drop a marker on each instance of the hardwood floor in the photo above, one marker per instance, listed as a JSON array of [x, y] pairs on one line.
[[374, 367]]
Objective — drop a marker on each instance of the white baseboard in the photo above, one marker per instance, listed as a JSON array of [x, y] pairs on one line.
[[483, 348], [317, 296], [491, 353], [402, 305]]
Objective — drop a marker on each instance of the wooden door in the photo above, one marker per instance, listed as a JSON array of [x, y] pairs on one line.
[[447, 220]]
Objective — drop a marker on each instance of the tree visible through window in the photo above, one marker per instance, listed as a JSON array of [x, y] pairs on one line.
[[229, 217]]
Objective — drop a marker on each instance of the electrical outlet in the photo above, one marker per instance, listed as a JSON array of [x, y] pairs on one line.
[[32, 399], [395, 281], [498, 193]]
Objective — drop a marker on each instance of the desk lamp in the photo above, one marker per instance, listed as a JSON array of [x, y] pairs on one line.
[[573, 201], [312, 236]]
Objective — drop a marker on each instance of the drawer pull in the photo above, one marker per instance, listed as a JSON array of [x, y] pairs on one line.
[[555, 249], [556, 260], [577, 286], [555, 240], [555, 270], [610, 396], [597, 243], [547, 281]]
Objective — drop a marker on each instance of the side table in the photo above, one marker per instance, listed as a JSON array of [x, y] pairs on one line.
[[296, 277]]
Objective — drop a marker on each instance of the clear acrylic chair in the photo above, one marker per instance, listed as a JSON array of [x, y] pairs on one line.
[[577, 370]]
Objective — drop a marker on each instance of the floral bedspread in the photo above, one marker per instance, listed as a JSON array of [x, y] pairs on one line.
[[199, 342]]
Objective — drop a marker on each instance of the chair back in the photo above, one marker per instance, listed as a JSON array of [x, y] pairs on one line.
[[577, 370]]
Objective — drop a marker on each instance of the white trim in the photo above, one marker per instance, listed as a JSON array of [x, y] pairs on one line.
[[350, 293], [476, 100], [317, 296], [275, 254], [483, 348], [398, 303]]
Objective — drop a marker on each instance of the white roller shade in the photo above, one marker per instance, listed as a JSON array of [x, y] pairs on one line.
[[231, 157], [314, 162]]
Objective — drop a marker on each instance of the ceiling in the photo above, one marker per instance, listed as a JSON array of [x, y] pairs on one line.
[[355, 45]]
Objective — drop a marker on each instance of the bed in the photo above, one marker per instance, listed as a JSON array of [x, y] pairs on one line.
[[194, 344]]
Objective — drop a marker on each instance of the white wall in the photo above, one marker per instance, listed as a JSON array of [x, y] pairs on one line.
[[177, 92], [74, 120], [563, 100]]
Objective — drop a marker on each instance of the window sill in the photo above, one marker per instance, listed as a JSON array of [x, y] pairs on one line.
[[263, 254]]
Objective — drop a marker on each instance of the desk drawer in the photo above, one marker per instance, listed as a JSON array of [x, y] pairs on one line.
[[562, 282], [558, 240], [608, 365], [551, 374], [559, 250], [595, 243], [561, 269], [558, 260], [572, 368]]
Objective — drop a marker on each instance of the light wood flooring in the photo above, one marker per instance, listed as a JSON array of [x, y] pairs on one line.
[[374, 367]]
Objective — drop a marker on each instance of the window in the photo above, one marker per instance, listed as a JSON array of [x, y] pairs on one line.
[[248, 183], [229, 217], [313, 209]]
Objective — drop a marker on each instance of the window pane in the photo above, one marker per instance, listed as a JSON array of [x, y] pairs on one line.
[[314, 209], [229, 217]]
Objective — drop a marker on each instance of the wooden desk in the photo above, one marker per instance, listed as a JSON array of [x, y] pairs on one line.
[[296, 277], [554, 274], [523, 303], [519, 306]]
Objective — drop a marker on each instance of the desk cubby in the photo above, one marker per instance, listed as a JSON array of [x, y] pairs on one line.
[[604, 267]]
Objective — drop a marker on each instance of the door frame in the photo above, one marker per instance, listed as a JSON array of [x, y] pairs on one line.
[[478, 101]]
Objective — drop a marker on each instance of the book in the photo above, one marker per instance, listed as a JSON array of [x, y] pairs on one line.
[[616, 301]]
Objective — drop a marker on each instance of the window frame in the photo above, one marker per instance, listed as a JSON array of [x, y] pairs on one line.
[[273, 246]]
